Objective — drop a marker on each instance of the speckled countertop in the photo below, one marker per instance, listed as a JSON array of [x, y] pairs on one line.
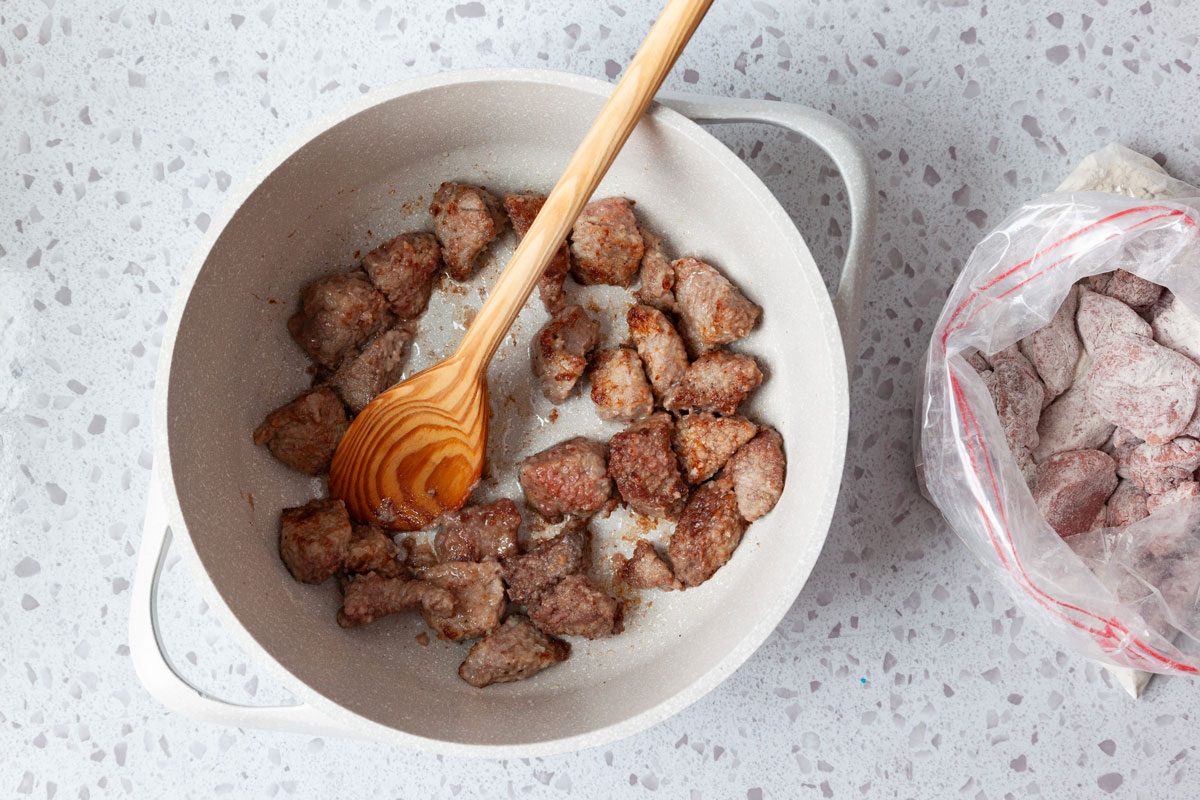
[[123, 125]]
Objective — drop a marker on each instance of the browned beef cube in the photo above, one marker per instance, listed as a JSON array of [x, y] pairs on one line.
[[337, 314], [705, 442], [717, 382], [465, 218], [478, 598], [713, 311], [522, 208], [376, 368], [313, 538], [478, 532], [559, 351], [570, 477], [305, 433], [606, 245], [405, 269], [643, 466], [513, 652], [576, 606], [658, 275], [547, 562], [660, 347], [372, 550], [368, 597], [619, 386], [646, 569], [757, 469], [708, 532]]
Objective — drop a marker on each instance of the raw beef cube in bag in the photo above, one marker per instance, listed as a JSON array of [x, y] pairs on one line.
[[1127, 596]]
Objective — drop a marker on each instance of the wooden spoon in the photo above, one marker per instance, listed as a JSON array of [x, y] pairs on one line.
[[418, 449]]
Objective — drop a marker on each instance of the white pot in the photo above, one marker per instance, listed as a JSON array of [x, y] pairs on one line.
[[227, 360]]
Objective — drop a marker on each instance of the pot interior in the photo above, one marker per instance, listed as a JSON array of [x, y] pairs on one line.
[[367, 179]]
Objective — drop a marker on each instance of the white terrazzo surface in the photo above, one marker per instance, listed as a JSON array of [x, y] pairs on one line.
[[122, 126]]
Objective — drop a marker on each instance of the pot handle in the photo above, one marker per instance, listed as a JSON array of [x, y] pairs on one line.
[[154, 666], [842, 145]]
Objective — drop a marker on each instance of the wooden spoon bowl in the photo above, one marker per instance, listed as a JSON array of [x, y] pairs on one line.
[[418, 453]]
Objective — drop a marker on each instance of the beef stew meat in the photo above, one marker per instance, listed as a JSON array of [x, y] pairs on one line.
[[660, 347], [606, 245], [313, 539], [713, 311], [717, 382], [757, 470], [378, 366], [576, 606], [513, 652], [658, 275], [522, 209], [369, 597], [704, 442], [404, 269], [644, 469], [479, 531], [371, 549], [478, 598], [684, 454], [646, 569], [547, 562], [337, 314], [466, 219], [619, 386], [305, 433], [708, 532], [559, 351], [566, 479]]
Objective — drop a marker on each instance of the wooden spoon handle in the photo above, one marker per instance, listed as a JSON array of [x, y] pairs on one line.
[[592, 159]]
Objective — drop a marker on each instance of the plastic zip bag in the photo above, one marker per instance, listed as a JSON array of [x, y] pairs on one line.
[[1126, 597]]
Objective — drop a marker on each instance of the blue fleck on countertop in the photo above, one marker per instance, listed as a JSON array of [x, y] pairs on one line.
[[902, 670]]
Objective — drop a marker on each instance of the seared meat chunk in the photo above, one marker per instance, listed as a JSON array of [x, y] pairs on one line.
[[337, 314], [559, 351], [712, 310], [372, 550], [404, 269], [660, 346], [522, 208], [619, 387], [377, 367], [305, 433], [717, 382], [643, 466], [548, 562], [570, 477], [368, 597], [478, 532], [757, 470], [708, 532], [705, 442], [478, 598], [465, 218], [513, 652], [313, 538], [606, 245], [658, 275], [646, 569], [576, 606]]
